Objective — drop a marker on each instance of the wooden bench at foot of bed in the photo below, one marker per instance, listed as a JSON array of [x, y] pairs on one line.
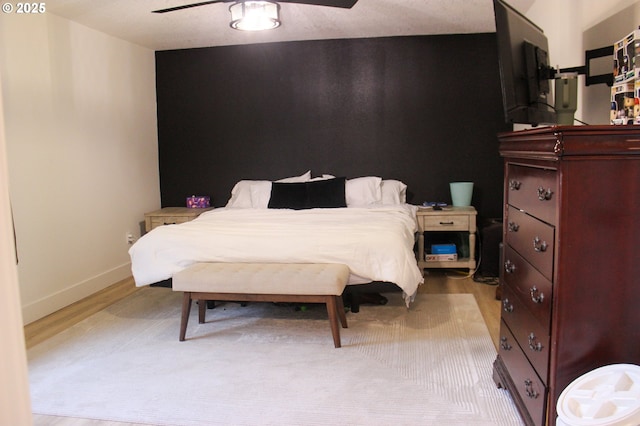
[[264, 282]]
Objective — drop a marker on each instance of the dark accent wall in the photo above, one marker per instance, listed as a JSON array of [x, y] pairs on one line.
[[422, 109]]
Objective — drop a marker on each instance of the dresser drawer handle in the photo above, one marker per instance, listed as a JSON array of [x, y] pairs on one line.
[[506, 306], [539, 245], [528, 387], [513, 227], [514, 185], [533, 345], [544, 194], [169, 223], [509, 267], [446, 223], [504, 344], [536, 295]]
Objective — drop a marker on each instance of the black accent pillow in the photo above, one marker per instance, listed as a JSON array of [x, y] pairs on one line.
[[327, 193], [288, 196]]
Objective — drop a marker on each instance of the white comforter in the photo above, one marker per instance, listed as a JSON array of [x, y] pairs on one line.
[[376, 243]]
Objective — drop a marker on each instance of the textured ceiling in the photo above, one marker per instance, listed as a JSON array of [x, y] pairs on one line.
[[208, 25]]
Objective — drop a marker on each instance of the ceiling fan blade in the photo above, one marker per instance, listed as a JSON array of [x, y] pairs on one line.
[[187, 6], [345, 4]]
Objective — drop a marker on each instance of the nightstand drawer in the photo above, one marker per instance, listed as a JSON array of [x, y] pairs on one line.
[[534, 191], [168, 220], [170, 216], [533, 239], [446, 223]]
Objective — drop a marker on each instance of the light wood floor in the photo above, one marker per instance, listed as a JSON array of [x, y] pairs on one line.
[[436, 282]]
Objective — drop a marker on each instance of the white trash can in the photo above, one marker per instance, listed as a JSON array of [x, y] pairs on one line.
[[606, 396]]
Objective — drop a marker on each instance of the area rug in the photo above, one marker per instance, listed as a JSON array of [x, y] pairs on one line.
[[274, 364]]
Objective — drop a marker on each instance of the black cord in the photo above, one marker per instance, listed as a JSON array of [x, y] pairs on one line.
[[554, 110]]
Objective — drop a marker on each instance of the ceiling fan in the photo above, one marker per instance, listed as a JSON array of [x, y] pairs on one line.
[[345, 4]]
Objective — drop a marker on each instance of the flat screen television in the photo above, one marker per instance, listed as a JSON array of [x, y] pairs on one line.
[[523, 61]]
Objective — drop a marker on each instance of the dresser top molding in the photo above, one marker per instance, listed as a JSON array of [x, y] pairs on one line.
[[555, 142]]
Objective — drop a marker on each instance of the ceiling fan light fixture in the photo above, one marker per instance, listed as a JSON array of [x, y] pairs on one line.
[[255, 15]]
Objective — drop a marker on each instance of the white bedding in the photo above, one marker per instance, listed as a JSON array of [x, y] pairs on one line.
[[375, 242]]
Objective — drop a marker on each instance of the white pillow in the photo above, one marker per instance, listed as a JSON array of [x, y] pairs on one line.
[[241, 193], [363, 191], [245, 191], [393, 192], [302, 178], [260, 194], [261, 191], [323, 177]]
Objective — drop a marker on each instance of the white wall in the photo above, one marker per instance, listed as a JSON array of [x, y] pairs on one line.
[[15, 407], [81, 134]]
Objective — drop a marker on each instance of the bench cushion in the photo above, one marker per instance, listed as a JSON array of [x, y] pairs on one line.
[[263, 278]]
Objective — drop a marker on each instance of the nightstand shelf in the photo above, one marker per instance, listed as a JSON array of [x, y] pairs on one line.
[[170, 216], [449, 219]]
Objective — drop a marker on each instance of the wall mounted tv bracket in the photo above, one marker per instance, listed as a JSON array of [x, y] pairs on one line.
[[537, 58], [585, 70]]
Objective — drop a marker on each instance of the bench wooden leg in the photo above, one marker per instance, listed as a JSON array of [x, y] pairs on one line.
[[333, 320], [341, 314], [186, 308], [334, 304]]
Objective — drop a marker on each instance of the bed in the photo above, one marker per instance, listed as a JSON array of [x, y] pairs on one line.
[[364, 223]]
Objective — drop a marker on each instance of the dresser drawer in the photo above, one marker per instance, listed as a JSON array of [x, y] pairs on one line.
[[533, 289], [533, 190], [445, 223], [527, 383], [532, 337], [533, 239]]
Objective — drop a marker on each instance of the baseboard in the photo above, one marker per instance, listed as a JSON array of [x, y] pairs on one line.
[[56, 301]]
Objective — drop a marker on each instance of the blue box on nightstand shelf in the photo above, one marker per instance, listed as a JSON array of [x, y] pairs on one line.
[[443, 249]]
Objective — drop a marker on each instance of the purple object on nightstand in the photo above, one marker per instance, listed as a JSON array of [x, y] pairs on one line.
[[198, 202]]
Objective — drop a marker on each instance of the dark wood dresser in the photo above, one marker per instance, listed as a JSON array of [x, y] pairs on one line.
[[571, 258]]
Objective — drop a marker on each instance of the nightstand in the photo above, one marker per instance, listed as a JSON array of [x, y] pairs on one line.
[[462, 219], [170, 216]]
